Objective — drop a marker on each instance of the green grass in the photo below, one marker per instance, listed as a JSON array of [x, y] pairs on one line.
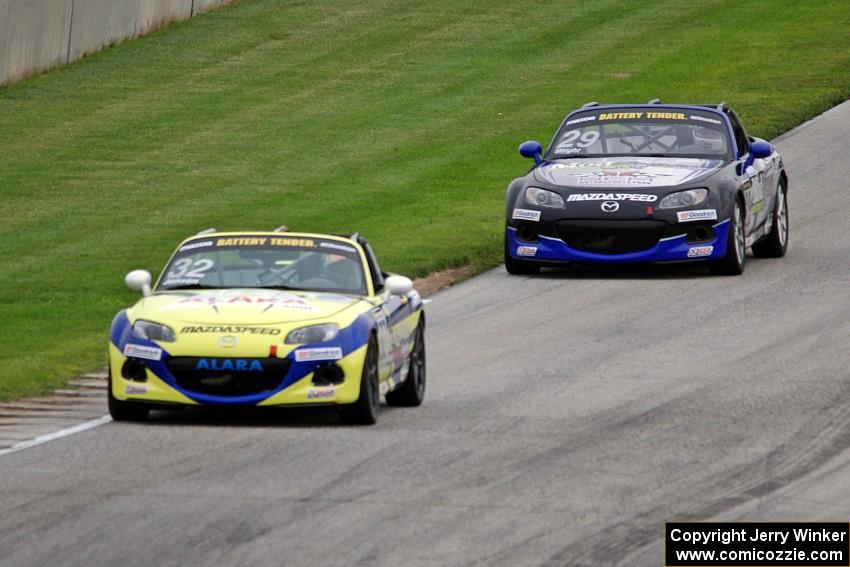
[[399, 120]]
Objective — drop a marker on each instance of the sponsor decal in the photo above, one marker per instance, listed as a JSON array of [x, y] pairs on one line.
[[526, 214], [232, 364], [610, 206], [578, 120], [318, 393], [233, 329], [326, 353], [625, 177], [612, 197], [758, 207], [640, 115], [335, 246], [135, 389], [284, 301], [194, 245], [141, 351], [704, 214], [704, 119], [700, 251], [265, 241], [170, 282], [526, 250], [597, 165]]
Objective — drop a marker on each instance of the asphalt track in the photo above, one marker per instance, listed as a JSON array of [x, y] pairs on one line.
[[568, 416]]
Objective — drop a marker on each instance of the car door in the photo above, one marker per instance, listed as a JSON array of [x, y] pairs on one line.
[[752, 182], [392, 318], [754, 192]]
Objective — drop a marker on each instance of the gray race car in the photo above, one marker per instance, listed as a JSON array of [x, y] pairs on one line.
[[648, 182]]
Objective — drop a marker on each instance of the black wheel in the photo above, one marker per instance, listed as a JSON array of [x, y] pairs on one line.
[[518, 267], [124, 411], [735, 259], [412, 390], [775, 243], [365, 410]]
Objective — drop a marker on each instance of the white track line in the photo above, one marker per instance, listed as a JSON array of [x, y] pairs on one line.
[[47, 437]]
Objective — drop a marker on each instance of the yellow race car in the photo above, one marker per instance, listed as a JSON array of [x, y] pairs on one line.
[[269, 319]]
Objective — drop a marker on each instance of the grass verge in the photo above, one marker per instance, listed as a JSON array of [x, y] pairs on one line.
[[399, 120]]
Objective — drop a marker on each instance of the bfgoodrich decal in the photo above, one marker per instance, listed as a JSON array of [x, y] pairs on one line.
[[526, 250], [328, 353], [141, 351], [705, 214], [526, 214]]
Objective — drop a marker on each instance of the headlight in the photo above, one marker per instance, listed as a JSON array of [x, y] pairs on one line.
[[312, 334], [544, 198], [683, 199], [153, 331]]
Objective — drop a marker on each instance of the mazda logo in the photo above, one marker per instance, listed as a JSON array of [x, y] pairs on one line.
[[610, 206], [228, 341]]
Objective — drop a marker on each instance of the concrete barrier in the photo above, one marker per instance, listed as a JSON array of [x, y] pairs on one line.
[[199, 6], [39, 34], [34, 37], [98, 23], [156, 13]]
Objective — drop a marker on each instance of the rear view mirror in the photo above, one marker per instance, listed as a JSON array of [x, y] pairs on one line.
[[532, 149], [398, 285], [139, 280], [761, 149]]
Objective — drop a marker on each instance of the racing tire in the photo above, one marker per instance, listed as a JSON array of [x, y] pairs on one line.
[[775, 243], [518, 267], [735, 259], [411, 393], [124, 411], [365, 410]]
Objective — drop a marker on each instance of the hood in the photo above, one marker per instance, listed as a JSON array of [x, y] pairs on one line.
[[241, 306], [626, 172]]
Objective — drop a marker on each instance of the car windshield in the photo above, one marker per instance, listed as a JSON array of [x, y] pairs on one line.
[[642, 132], [278, 262]]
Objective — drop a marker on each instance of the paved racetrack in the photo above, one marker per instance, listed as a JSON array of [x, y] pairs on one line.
[[568, 416]]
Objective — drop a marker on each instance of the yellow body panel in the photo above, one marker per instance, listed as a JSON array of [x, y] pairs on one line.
[[252, 323], [345, 393], [154, 388]]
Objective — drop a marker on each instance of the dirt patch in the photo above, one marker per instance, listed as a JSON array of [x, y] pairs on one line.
[[620, 75], [433, 283]]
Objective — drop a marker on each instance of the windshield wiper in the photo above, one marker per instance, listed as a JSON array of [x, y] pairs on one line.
[[280, 286]]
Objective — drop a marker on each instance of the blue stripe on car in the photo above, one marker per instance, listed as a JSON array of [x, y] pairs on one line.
[[673, 249]]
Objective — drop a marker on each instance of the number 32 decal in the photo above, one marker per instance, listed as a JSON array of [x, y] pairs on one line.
[[181, 268]]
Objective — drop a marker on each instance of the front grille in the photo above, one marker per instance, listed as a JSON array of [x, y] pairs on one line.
[[228, 376], [611, 237]]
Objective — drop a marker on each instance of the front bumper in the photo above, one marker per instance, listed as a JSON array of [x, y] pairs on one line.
[[160, 386], [544, 244], [200, 372]]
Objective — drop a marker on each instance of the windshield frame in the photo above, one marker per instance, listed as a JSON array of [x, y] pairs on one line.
[[365, 291], [731, 146]]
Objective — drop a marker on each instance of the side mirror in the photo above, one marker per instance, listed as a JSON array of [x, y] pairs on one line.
[[398, 285], [761, 149], [532, 149], [139, 280]]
